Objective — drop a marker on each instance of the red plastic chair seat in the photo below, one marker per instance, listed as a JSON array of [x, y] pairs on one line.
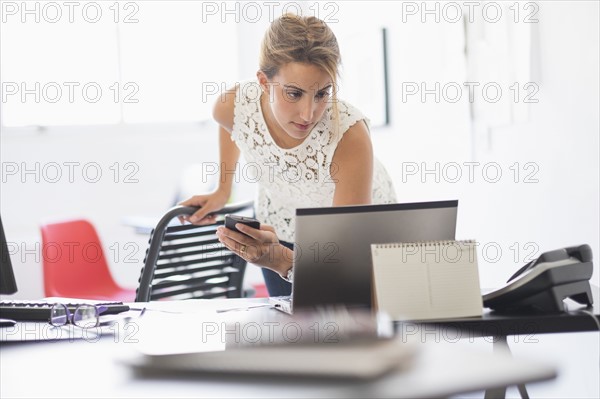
[[75, 266]]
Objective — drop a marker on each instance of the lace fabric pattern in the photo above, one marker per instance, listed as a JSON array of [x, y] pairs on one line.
[[299, 177]]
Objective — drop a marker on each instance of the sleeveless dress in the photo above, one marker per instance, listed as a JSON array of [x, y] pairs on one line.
[[299, 177]]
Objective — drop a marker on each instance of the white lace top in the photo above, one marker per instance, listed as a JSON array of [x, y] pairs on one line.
[[299, 177]]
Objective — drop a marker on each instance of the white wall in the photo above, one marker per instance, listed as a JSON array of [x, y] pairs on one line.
[[561, 139], [518, 219], [558, 146]]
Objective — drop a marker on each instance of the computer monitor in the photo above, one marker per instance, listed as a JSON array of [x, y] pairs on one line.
[[332, 254], [8, 285]]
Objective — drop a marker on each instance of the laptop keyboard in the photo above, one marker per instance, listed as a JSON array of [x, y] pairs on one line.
[[21, 310]]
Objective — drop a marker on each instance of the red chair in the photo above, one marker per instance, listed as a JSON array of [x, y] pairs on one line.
[[75, 265]]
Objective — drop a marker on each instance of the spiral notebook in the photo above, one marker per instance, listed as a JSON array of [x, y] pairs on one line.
[[427, 280]]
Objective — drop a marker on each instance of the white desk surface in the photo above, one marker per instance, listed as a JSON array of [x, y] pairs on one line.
[[99, 368]]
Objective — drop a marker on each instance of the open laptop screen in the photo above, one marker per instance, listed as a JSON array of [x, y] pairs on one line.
[[332, 260]]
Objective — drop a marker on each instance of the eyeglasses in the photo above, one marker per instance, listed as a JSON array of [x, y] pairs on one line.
[[84, 316]]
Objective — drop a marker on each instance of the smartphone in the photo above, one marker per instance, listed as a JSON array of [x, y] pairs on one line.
[[231, 220]]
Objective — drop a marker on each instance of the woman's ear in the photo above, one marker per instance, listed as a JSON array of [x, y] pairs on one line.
[[263, 81]]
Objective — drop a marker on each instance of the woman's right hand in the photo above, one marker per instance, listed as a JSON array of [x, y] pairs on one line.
[[260, 247], [208, 204]]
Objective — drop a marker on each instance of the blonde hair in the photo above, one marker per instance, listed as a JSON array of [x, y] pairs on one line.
[[294, 38]]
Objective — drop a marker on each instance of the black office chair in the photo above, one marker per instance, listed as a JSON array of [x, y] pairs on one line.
[[189, 262]]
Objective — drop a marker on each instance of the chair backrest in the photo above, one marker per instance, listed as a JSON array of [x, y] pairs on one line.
[[189, 262], [73, 260]]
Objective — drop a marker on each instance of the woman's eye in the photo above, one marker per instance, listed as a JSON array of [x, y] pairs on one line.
[[293, 95], [322, 94]]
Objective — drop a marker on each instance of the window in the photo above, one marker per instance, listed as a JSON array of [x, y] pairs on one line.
[[69, 63]]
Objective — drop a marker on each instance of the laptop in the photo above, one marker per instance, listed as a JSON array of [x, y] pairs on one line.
[[332, 254]]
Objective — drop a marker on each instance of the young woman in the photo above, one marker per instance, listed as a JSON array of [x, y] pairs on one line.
[[309, 148]]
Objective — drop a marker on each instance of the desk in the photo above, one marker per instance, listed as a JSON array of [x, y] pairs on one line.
[[500, 326], [59, 369]]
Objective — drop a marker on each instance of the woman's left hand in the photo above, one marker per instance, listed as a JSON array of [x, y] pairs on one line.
[[258, 246]]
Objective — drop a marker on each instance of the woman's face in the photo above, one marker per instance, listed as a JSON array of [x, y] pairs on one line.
[[297, 97]]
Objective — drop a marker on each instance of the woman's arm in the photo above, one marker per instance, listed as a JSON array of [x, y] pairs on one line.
[[352, 167]]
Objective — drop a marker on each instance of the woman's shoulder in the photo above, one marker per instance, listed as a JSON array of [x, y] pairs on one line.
[[239, 93], [223, 108]]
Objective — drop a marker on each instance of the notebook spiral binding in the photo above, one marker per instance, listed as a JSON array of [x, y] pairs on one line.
[[424, 244]]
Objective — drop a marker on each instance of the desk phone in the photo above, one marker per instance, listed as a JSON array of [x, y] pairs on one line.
[[543, 284]]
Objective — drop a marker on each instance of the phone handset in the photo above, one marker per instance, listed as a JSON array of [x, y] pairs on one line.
[[583, 253]]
